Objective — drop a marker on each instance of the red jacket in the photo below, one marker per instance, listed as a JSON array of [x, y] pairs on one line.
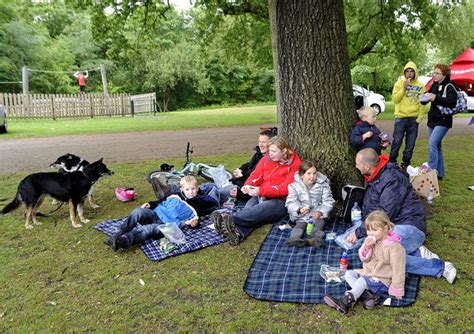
[[273, 177]]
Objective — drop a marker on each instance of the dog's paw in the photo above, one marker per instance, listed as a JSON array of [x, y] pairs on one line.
[[37, 223], [29, 227], [76, 225], [85, 221], [94, 206]]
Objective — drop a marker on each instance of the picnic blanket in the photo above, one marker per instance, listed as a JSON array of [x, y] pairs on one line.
[[291, 274], [204, 236]]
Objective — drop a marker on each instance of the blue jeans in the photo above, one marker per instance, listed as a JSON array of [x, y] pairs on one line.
[[256, 214], [407, 127], [411, 239], [435, 159], [140, 225]]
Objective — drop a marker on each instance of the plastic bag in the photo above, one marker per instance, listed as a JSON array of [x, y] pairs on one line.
[[341, 238], [331, 274], [220, 177], [173, 233]]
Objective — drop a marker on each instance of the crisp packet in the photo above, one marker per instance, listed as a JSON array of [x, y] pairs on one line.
[[331, 236], [166, 246], [285, 227], [331, 274]]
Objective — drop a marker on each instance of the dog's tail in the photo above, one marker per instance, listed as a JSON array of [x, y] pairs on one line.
[[14, 204]]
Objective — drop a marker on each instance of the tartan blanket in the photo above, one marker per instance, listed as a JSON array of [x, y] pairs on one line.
[[202, 237], [291, 274]]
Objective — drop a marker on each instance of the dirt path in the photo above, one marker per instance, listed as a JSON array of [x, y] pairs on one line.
[[35, 154]]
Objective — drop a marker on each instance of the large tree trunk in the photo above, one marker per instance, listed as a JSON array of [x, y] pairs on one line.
[[313, 84]]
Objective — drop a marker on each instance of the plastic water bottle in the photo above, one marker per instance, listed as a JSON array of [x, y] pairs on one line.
[[344, 262], [430, 196], [356, 214], [309, 227]]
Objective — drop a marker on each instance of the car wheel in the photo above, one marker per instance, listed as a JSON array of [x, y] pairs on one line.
[[377, 108]]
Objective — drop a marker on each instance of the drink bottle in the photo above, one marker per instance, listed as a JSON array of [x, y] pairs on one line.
[[344, 261], [356, 214], [309, 227]]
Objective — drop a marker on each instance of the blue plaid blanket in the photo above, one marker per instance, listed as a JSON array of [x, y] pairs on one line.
[[202, 237], [291, 274]]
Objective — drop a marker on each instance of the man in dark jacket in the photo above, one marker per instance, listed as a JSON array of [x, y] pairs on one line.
[[388, 189]]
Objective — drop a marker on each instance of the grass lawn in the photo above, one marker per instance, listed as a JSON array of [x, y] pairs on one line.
[[175, 120], [58, 279]]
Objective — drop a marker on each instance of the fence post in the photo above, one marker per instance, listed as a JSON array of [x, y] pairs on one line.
[[132, 107], [90, 105], [52, 107]]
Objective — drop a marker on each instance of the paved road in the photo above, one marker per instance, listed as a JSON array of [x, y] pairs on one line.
[[35, 154]]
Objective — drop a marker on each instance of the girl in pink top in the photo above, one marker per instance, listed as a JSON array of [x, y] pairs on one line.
[[383, 271]]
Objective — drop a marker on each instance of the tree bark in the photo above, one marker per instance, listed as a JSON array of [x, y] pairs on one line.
[[315, 103]]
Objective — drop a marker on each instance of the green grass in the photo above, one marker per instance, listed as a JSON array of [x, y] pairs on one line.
[[58, 279], [204, 118]]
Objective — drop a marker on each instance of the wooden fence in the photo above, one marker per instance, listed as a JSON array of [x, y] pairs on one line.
[[65, 105], [143, 103]]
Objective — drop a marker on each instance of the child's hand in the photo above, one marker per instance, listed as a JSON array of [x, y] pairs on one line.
[[366, 135], [193, 222], [145, 205], [304, 210], [370, 241]]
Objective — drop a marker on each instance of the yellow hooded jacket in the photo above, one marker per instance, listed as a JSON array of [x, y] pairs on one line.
[[406, 100]]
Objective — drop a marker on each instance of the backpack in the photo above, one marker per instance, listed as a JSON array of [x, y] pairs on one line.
[[461, 103], [350, 195]]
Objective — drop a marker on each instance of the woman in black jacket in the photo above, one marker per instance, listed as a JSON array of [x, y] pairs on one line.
[[442, 93]]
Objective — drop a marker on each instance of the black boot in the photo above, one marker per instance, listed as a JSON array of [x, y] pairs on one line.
[[118, 242], [341, 304], [369, 300]]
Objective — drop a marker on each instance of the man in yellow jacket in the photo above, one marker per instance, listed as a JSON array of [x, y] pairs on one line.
[[408, 113]]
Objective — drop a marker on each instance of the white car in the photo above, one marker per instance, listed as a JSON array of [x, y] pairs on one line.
[[470, 103], [371, 99]]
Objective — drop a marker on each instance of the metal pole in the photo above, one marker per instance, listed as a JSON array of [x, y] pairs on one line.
[[103, 74]]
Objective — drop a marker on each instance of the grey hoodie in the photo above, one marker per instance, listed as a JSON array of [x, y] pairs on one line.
[[318, 198]]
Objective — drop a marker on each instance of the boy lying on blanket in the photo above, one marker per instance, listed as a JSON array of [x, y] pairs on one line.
[[183, 208]]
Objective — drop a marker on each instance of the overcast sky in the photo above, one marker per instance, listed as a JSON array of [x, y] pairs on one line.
[[180, 4]]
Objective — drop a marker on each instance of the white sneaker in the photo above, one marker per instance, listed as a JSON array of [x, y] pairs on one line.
[[427, 254], [449, 272]]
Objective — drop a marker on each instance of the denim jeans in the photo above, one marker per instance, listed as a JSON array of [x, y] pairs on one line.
[[435, 159], [256, 214], [407, 127], [411, 239], [140, 225]]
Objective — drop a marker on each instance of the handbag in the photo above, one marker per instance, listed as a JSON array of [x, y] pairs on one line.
[[461, 102], [424, 184]]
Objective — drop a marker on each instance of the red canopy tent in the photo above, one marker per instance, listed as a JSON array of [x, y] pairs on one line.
[[462, 72]]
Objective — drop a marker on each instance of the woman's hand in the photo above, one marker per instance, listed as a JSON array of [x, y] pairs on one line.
[[254, 191], [431, 96], [237, 173], [145, 205]]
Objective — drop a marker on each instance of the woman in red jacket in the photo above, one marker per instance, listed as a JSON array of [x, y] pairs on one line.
[[268, 187]]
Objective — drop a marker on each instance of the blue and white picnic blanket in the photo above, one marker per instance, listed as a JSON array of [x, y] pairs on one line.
[[204, 236], [291, 274]]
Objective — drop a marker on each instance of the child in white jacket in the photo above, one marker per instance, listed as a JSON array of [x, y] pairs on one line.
[[309, 198]]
